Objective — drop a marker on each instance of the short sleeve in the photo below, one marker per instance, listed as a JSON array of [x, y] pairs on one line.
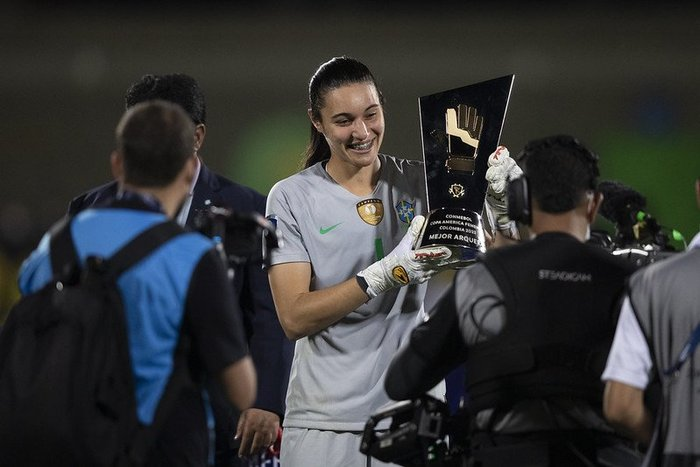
[[629, 361], [213, 315], [279, 210]]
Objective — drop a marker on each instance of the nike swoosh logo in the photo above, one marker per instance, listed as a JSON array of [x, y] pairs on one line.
[[323, 231]]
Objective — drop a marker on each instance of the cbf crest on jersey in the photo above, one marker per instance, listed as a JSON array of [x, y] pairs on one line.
[[406, 211], [371, 210]]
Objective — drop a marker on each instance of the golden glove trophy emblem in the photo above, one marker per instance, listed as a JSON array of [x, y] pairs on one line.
[[465, 124]]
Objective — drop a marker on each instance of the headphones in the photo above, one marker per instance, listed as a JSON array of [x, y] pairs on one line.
[[519, 205], [518, 200]]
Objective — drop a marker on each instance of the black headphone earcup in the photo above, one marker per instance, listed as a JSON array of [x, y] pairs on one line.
[[518, 196]]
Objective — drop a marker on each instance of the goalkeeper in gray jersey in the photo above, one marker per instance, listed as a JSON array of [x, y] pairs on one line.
[[347, 284]]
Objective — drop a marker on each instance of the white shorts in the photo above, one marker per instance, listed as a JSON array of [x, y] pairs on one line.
[[302, 447]]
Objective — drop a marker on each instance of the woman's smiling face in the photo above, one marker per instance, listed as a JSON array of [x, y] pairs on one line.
[[352, 121]]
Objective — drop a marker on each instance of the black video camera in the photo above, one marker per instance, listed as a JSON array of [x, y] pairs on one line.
[[416, 435], [638, 237], [244, 237]]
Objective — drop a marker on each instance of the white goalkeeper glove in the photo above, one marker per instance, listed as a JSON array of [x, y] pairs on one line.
[[404, 265], [502, 168]]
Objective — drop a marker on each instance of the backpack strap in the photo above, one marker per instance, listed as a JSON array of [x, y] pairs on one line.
[[64, 256], [142, 245]]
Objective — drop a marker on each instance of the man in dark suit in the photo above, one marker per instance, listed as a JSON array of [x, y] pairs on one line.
[[254, 429]]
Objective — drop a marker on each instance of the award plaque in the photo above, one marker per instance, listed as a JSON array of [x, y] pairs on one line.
[[460, 128]]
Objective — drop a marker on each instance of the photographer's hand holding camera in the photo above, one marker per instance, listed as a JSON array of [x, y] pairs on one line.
[[532, 323]]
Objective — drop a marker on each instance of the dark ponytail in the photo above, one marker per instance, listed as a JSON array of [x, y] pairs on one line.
[[335, 73], [317, 150]]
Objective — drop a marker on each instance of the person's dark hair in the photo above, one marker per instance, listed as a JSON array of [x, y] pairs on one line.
[[155, 139], [559, 170], [178, 88], [335, 73]]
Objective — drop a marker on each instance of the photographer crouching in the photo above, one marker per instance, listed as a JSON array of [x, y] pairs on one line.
[[532, 323]]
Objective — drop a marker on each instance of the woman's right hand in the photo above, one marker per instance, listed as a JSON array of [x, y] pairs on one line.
[[404, 265]]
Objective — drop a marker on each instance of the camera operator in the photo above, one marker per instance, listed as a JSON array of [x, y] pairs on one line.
[[655, 340], [533, 323]]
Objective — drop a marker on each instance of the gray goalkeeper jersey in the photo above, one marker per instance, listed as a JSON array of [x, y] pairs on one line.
[[337, 376]]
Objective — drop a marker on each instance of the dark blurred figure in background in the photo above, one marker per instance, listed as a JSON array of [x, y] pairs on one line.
[[257, 428], [533, 323], [18, 236], [655, 340]]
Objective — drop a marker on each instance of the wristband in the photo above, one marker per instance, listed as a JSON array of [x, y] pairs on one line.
[[362, 282]]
